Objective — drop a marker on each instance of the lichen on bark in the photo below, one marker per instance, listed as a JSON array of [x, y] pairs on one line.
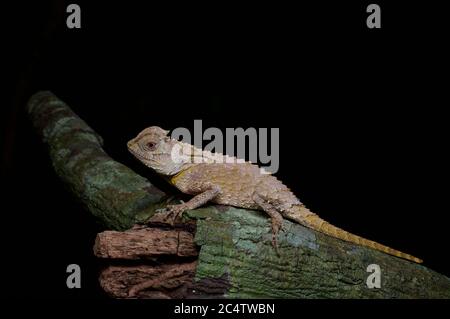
[[236, 245], [112, 192]]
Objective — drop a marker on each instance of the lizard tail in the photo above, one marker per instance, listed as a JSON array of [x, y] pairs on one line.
[[304, 216]]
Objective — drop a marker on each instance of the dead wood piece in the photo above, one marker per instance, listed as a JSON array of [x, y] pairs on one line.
[[162, 281], [144, 243]]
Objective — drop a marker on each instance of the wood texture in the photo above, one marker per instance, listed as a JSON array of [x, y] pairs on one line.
[[141, 243]]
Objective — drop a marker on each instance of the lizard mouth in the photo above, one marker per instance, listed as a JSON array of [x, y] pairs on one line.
[[142, 157], [138, 155]]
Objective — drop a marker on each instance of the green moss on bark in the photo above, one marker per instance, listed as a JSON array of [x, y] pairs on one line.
[[236, 245], [111, 191]]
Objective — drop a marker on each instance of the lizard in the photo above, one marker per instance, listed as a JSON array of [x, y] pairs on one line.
[[225, 180]]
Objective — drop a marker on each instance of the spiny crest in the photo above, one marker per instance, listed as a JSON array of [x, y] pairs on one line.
[[198, 155]]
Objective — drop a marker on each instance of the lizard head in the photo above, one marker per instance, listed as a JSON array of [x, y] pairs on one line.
[[153, 147]]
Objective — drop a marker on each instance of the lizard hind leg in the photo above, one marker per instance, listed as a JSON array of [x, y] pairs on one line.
[[275, 216]]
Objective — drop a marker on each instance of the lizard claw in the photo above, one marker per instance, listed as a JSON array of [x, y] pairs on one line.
[[177, 210], [172, 212], [277, 225]]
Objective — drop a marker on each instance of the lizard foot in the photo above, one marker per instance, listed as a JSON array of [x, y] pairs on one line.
[[277, 225], [173, 212]]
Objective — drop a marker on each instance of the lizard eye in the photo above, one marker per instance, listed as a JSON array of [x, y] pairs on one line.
[[150, 145]]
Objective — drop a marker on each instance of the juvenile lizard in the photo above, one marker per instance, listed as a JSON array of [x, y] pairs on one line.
[[210, 178]]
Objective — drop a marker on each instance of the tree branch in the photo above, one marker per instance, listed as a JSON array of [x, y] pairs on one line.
[[112, 192], [216, 251]]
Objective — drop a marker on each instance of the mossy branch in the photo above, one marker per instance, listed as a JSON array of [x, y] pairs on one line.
[[235, 257], [112, 192]]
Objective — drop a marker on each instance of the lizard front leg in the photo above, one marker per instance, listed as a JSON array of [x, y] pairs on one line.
[[195, 202]]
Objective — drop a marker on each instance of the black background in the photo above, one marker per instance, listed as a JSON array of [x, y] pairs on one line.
[[360, 112]]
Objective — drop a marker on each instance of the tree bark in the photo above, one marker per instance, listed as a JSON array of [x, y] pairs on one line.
[[112, 192], [216, 251]]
